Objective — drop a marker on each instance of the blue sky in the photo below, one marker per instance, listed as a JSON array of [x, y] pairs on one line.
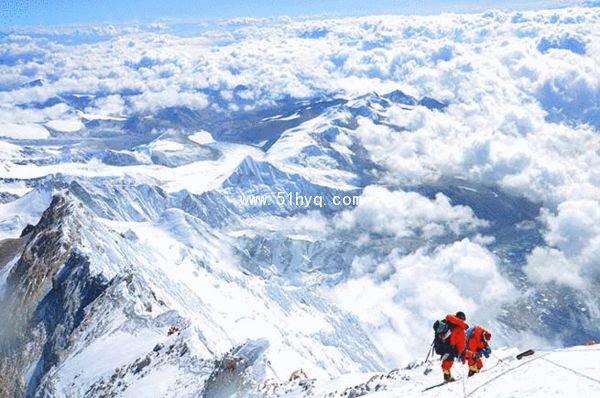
[[63, 12]]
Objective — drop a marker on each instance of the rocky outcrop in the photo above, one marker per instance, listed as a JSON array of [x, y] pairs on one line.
[[45, 295]]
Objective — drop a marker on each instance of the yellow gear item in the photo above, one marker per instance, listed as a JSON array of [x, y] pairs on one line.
[[447, 376]]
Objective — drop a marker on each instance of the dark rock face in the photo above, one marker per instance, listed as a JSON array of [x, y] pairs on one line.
[[9, 248], [6, 197], [28, 228], [30, 279], [46, 294], [62, 310]]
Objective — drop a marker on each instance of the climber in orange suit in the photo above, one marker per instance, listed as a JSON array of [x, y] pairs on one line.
[[478, 344], [455, 342]]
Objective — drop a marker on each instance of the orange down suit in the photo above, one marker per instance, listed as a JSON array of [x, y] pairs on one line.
[[457, 340], [475, 346]]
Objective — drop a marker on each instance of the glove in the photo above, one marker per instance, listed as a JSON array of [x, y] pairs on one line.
[[486, 352]]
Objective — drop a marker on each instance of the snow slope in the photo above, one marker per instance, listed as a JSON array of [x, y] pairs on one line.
[[570, 372]]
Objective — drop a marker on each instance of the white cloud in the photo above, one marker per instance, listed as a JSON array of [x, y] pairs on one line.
[[545, 265], [32, 115], [407, 215], [66, 125], [111, 105], [575, 226], [150, 101], [202, 137], [23, 131], [401, 297], [461, 58], [572, 255]]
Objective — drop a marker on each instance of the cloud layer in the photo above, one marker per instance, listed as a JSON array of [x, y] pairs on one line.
[[523, 88], [407, 215], [572, 256], [399, 298], [458, 58]]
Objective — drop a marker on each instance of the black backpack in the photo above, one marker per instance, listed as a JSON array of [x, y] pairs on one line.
[[440, 328]]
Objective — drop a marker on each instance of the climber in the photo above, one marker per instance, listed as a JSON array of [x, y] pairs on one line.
[[478, 344], [450, 341]]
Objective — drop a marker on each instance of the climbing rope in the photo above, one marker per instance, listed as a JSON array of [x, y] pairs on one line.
[[462, 379], [464, 387], [559, 350], [505, 373], [572, 370], [542, 357], [498, 362]]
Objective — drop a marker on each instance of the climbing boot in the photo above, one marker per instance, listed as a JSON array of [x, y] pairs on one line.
[[447, 376], [473, 370]]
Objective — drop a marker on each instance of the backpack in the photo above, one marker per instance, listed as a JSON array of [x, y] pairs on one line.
[[469, 333], [440, 329]]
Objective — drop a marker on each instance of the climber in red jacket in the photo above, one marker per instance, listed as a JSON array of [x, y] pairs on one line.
[[455, 341], [478, 344]]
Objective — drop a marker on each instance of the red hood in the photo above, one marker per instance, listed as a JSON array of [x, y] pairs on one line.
[[456, 321]]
